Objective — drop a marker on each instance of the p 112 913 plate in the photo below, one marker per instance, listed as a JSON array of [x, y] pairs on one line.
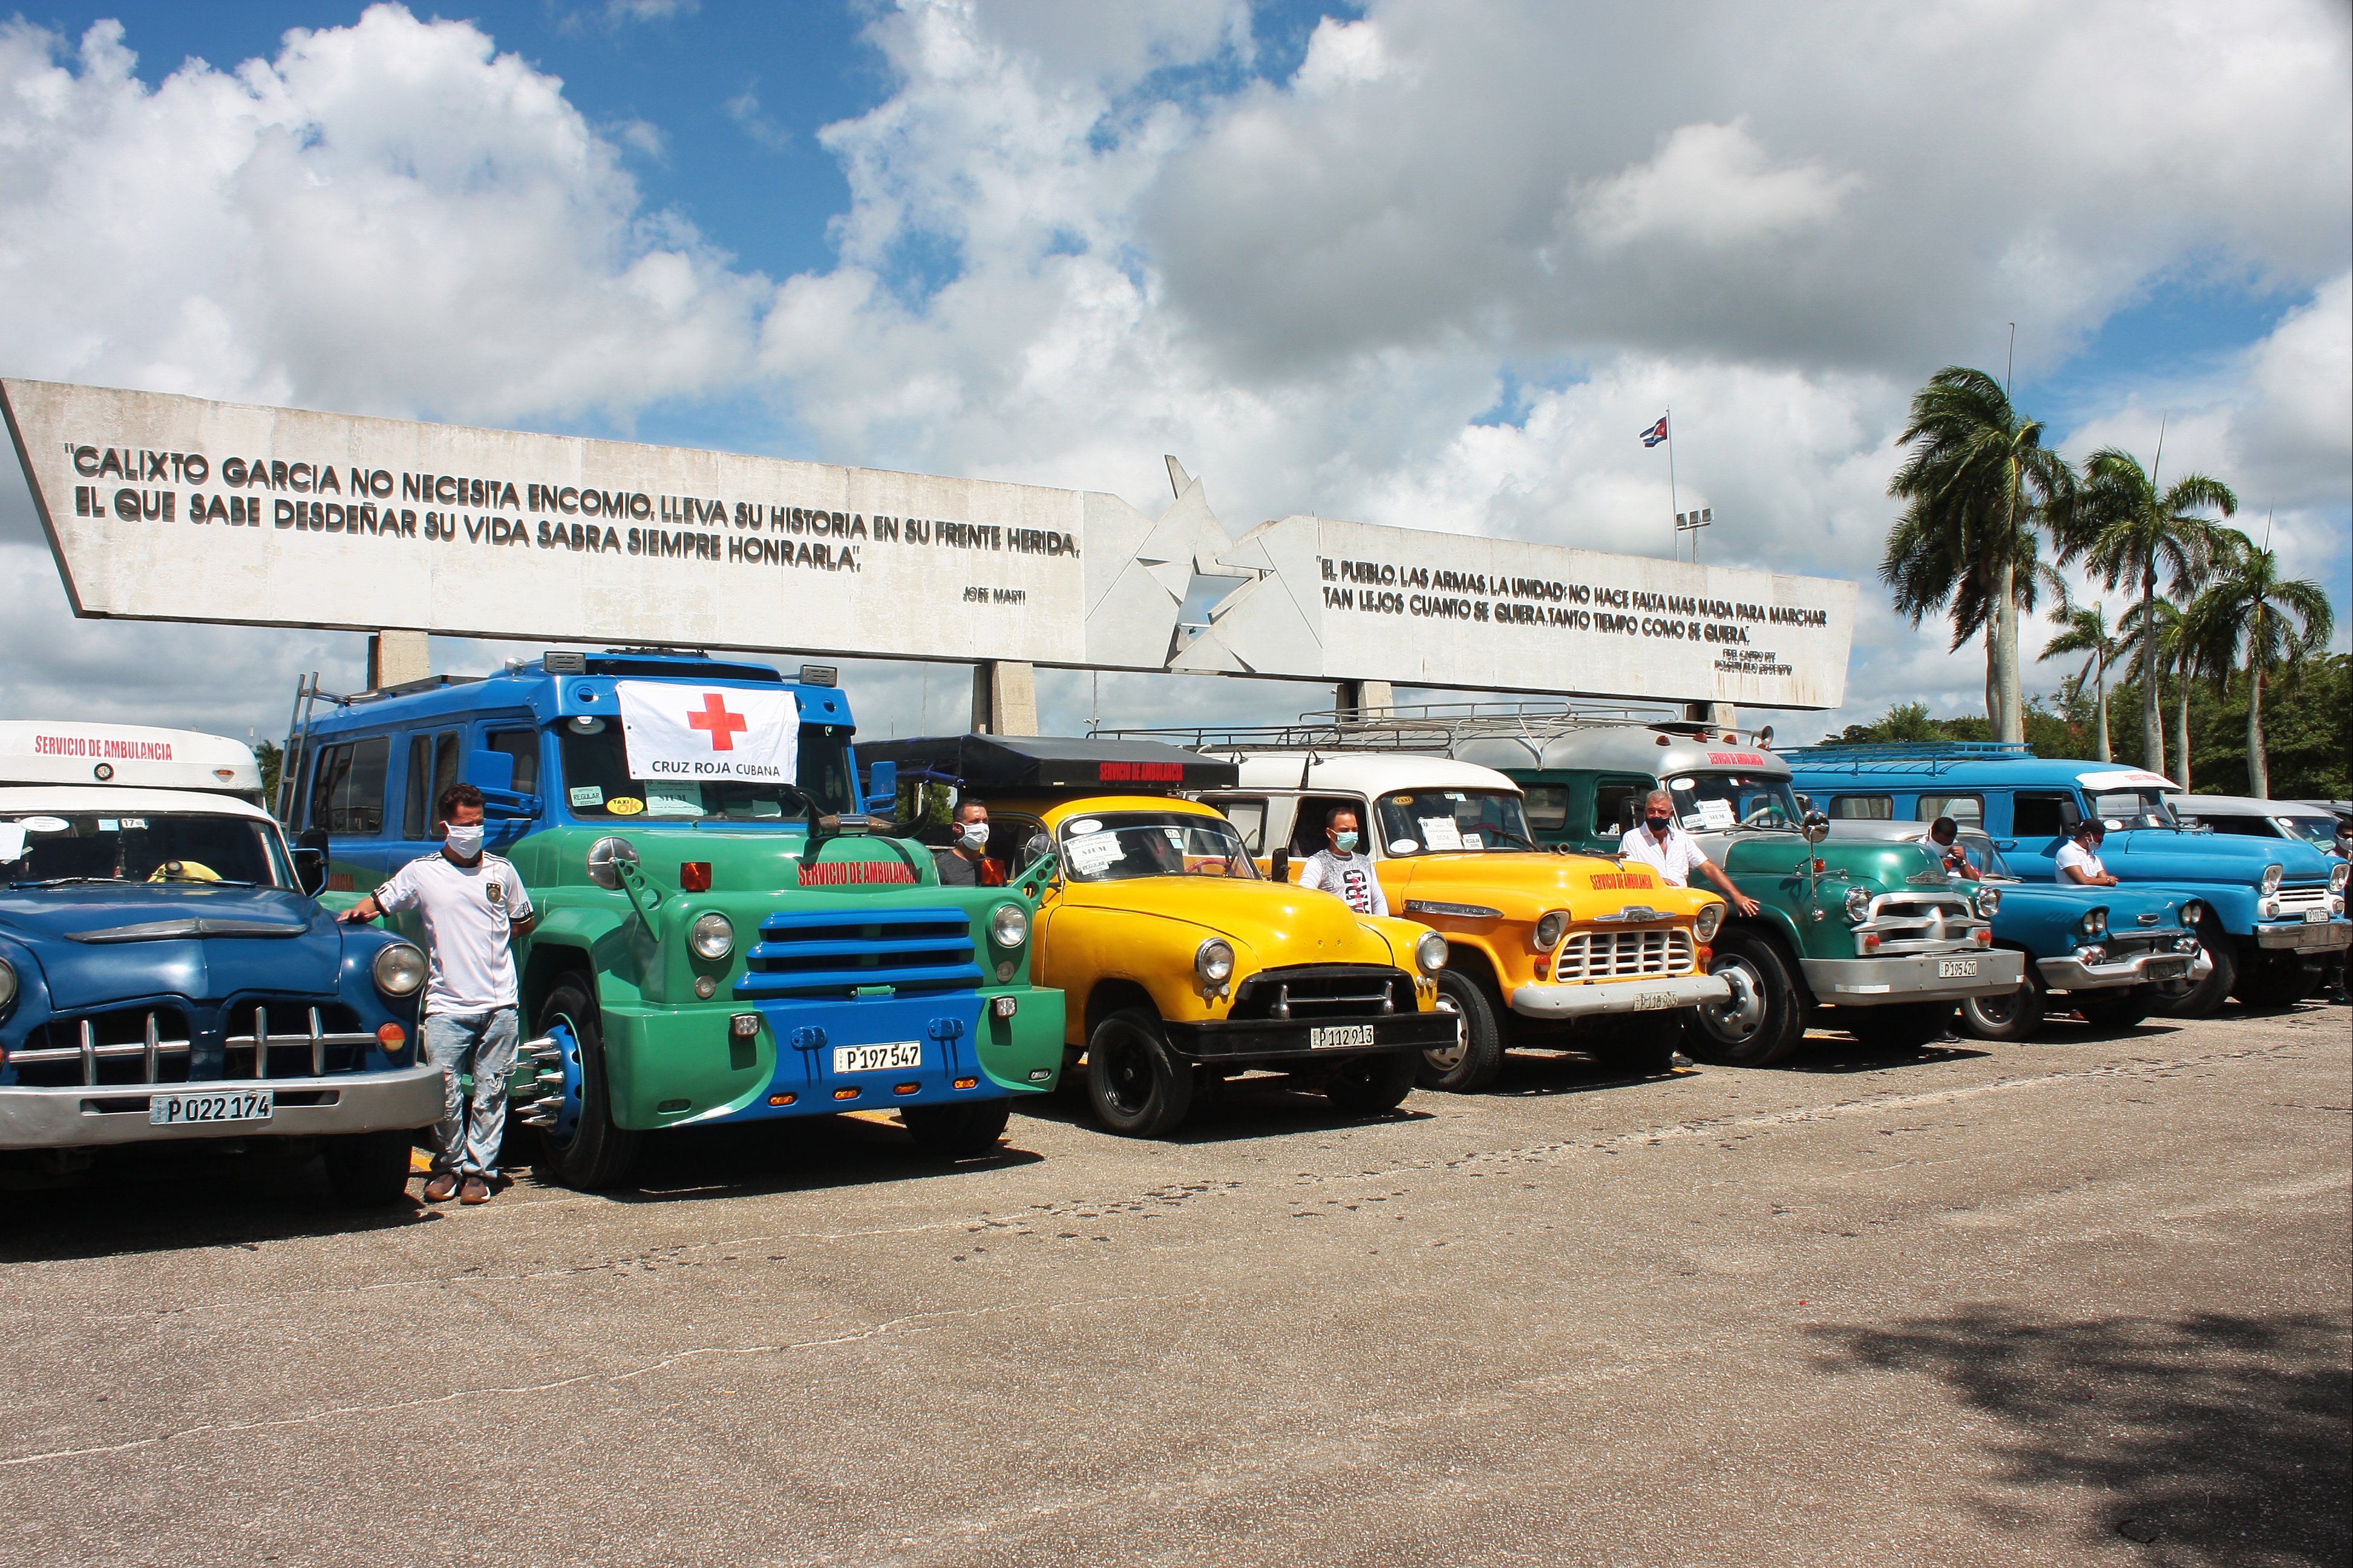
[[213, 1106], [1326, 1037]]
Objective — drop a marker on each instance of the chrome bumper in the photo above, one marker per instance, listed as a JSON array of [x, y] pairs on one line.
[[2317, 938], [1878, 982], [82, 1116], [1596, 998], [2072, 974]]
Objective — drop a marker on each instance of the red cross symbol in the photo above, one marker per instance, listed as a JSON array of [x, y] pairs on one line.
[[715, 717]]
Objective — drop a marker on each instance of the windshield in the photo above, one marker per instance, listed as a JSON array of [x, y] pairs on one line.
[[1451, 819], [1120, 845], [1710, 802], [160, 847], [2320, 830], [598, 786], [2133, 808], [1985, 857]]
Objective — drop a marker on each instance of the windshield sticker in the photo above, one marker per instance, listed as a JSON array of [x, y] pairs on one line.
[[587, 795], [1440, 833], [1402, 846], [1715, 815], [47, 824], [134, 822], [1694, 821], [1086, 825], [12, 841], [1472, 841], [1686, 782], [1090, 856], [673, 800], [625, 805], [1175, 836], [1400, 800]]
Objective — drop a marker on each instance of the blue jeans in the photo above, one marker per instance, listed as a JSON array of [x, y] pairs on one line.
[[482, 1044]]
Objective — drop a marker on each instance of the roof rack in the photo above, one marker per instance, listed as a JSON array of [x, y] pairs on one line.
[[1418, 727], [1922, 756]]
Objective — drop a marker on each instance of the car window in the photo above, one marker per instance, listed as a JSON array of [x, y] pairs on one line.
[[1122, 846], [1448, 820], [1618, 807], [1547, 806], [2036, 814], [1984, 856], [523, 745], [1863, 808], [1249, 817], [2133, 807], [598, 786], [1307, 823], [1966, 810], [175, 847]]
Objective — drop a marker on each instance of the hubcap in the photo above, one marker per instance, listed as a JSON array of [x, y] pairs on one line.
[[1446, 1058], [1738, 1017]]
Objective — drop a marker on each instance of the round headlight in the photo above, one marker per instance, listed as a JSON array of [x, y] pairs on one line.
[[1430, 952], [1709, 921], [2272, 875], [713, 936], [1549, 928], [1213, 962], [1858, 904], [1009, 925], [399, 968], [2339, 874], [2193, 913], [1988, 901], [7, 984]]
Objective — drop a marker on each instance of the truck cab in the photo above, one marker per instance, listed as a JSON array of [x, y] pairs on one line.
[[720, 937], [2272, 909], [166, 976]]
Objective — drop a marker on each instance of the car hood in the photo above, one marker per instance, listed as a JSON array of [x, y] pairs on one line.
[[100, 944], [2149, 853], [1524, 885]]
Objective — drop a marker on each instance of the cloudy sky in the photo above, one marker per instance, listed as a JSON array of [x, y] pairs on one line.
[[1430, 264]]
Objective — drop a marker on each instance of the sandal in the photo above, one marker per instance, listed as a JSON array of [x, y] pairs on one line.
[[441, 1187]]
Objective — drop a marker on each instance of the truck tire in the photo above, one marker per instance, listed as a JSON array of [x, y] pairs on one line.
[[2273, 983], [1135, 1082], [2204, 999], [2118, 1010], [2013, 1017], [1899, 1027], [958, 1131], [1476, 1058], [1370, 1084], [1765, 1022], [597, 1154], [1642, 1044], [368, 1170]]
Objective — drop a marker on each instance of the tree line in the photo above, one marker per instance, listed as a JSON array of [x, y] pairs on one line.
[[1992, 513]]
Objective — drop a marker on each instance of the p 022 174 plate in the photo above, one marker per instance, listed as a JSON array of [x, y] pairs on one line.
[[217, 1105], [895, 1054], [1329, 1036], [1957, 969]]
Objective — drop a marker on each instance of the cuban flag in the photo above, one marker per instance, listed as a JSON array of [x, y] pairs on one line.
[[1656, 433]]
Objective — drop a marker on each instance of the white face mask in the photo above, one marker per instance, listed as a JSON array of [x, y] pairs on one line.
[[465, 843], [975, 836]]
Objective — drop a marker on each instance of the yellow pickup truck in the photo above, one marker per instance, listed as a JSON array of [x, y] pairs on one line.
[[1549, 950], [1181, 964]]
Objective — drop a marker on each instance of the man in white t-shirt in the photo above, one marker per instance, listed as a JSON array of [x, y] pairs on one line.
[[1339, 869], [1659, 844], [473, 906], [2079, 858]]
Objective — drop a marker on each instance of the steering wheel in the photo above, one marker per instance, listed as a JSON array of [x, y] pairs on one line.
[[184, 871]]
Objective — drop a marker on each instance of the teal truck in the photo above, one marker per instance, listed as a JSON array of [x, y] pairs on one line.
[[721, 938]]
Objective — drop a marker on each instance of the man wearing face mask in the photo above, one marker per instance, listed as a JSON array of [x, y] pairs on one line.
[[472, 906], [1672, 854], [965, 863], [1340, 869]]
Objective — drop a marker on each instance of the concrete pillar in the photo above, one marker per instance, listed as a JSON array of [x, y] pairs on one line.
[[1004, 698], [1366, 698], [1721, 715], [397, 657]]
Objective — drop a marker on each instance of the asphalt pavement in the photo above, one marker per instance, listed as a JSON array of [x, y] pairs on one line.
[[2084, 1301]]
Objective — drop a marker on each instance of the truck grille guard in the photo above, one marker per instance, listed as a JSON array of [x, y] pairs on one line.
[[835, 955], [1898, 924], [1322, 992], [1656, 953]]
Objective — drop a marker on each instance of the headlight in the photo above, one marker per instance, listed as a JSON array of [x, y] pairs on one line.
[[1858, 905], [1988, 901], [713, 936], [2193, 913], [1709, 921], [2267, 908], [2338, 874], [1009, 925], [400, 969], [1430, 952], [1548, 930], [7, 984], [2271, 878], [2094, 924], [1213, 962]]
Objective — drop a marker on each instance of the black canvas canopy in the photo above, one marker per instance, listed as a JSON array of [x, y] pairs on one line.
[[1051, 762]]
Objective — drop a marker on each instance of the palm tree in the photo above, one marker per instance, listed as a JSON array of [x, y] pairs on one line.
[[2163, 657], [2087, 633], [2126, 530], [2278, 622], [1979, 480]]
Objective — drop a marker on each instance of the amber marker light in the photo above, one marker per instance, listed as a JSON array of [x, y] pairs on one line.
[[967, 1083], [845, 1094], [905, 1087], [391, 1036], [694, 876], [782, 1099]]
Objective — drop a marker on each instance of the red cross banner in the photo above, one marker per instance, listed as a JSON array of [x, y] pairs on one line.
[[675, 730]]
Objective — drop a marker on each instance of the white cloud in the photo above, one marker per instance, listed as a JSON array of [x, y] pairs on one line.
[[1710, 185], [1342, 55]]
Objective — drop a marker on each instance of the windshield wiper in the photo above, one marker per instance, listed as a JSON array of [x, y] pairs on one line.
[[66, 882], [1507, 833]]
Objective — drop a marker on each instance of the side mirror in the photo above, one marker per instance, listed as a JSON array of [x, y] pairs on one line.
[[1815, 827], [310, 860], [492, 773], [606, 858], [882, 790], [1280, 867]]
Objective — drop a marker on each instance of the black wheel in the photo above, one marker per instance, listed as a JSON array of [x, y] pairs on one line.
[[2120, 1009], [2275, 982], [2009, 1015], [599, 1153], [1764, 1022], [1643, 1044], [1133, 1080], [2204, 999], [1368, 1085], [368, 1170], [958, 1131], [1900, 1027], [1476, 1057]]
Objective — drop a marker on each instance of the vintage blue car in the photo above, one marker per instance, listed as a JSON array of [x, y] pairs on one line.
[[2109, 953], [165, 975]]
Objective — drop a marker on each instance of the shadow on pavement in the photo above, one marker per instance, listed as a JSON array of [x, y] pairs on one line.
[[2219, 1437], [1839, 1053], [806, 1153], [1268, 1107]]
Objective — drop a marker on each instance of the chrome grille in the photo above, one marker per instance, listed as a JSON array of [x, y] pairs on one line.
[[128, 1045], [291, 1039], [1917, 923], [2293, 902], [1623, 955], [833, 954], [1323, 991]]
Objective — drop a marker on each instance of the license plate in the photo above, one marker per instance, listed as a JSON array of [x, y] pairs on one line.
[[1654, 1001], [2315, 917], [1957, 968], [199, 1110], [1323, 1037], [898, 1054]]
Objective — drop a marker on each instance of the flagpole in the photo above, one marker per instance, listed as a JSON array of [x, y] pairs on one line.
[[1673, 504]]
